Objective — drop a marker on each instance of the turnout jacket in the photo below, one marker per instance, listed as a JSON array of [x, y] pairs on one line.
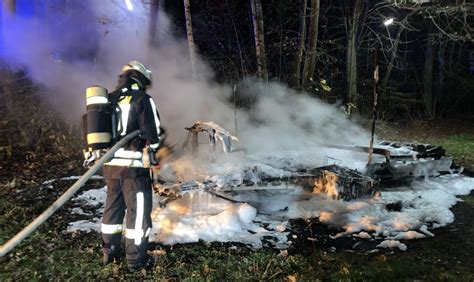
[[135, 110]]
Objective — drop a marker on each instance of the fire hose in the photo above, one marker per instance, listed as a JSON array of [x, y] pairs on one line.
[[13, 242]]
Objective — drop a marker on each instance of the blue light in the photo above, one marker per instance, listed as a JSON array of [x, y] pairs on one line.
[[25, 8]]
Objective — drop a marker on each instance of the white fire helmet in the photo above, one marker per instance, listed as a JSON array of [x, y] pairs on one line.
[[138, 66]]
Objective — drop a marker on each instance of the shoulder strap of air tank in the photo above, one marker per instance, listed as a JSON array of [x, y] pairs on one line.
[[116, 115]]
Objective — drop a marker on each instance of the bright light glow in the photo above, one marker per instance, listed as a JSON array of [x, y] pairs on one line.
[[388, 21], [129, 4]]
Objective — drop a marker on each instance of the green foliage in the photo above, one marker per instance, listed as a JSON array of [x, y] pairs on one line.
[[324, 85]]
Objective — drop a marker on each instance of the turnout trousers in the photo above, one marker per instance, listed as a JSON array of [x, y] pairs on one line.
[[135, 196]]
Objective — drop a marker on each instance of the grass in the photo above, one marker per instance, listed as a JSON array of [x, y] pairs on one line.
[[218, 263], [456, 137], [461, 147], [51, 254]]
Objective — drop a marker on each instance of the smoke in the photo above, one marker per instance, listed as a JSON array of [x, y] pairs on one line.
[[292, 120], [67, 51]]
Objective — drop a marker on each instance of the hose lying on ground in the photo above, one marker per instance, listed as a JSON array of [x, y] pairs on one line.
[[4, 249]]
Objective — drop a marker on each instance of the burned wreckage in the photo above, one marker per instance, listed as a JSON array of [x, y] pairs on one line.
[[398, 163]]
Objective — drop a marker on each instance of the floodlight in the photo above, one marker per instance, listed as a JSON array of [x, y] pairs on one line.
[[388, 21]]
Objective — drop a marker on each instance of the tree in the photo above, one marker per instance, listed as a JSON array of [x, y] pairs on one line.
[[445, 23], [309, 64], [189, 32], [154, 8], [436, 26], [10, 5], [403, 26], [428, 94], [237, 39], [296, 76], [1, 32], [352, 23], [257, 19]]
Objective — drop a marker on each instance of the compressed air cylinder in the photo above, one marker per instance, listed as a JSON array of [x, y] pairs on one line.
[[98, 118]]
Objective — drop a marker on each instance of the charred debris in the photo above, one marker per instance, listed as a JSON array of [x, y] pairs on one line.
[[402, 163]]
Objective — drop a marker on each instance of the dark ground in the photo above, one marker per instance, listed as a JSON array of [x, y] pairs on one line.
[[446, 256], [50, 253]]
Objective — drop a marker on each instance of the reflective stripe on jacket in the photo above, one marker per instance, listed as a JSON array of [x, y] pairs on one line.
[[136, 110]]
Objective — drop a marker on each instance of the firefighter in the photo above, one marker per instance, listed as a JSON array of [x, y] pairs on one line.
[[127, 175]]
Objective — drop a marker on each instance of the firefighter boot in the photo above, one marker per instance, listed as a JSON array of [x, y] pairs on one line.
[[111, 253], [147, 263]]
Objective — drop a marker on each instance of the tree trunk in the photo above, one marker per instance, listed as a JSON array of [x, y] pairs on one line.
[[351, 74], [257, 18], [296, 79], [351, 63], [439, 85], [243, 69], [2, 44], [189, 31], [154, 8], [428, 94], [6, 7], [308, 70], [392, 58], [403, 24], [10, 6]]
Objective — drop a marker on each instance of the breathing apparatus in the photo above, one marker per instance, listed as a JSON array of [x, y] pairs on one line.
[[99, 123], [103, 115]]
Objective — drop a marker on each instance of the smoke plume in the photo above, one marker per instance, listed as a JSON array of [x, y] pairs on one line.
[[67, 50]]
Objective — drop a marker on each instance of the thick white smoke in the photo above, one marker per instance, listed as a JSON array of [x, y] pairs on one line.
[[280, 118]]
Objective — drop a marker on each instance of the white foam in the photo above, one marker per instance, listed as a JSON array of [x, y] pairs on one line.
[[199, 215], [93, 197], [84, 225], [362, 235], [392, 244]]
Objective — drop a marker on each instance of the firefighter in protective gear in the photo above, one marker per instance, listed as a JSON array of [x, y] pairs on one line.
[[128, 179]]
